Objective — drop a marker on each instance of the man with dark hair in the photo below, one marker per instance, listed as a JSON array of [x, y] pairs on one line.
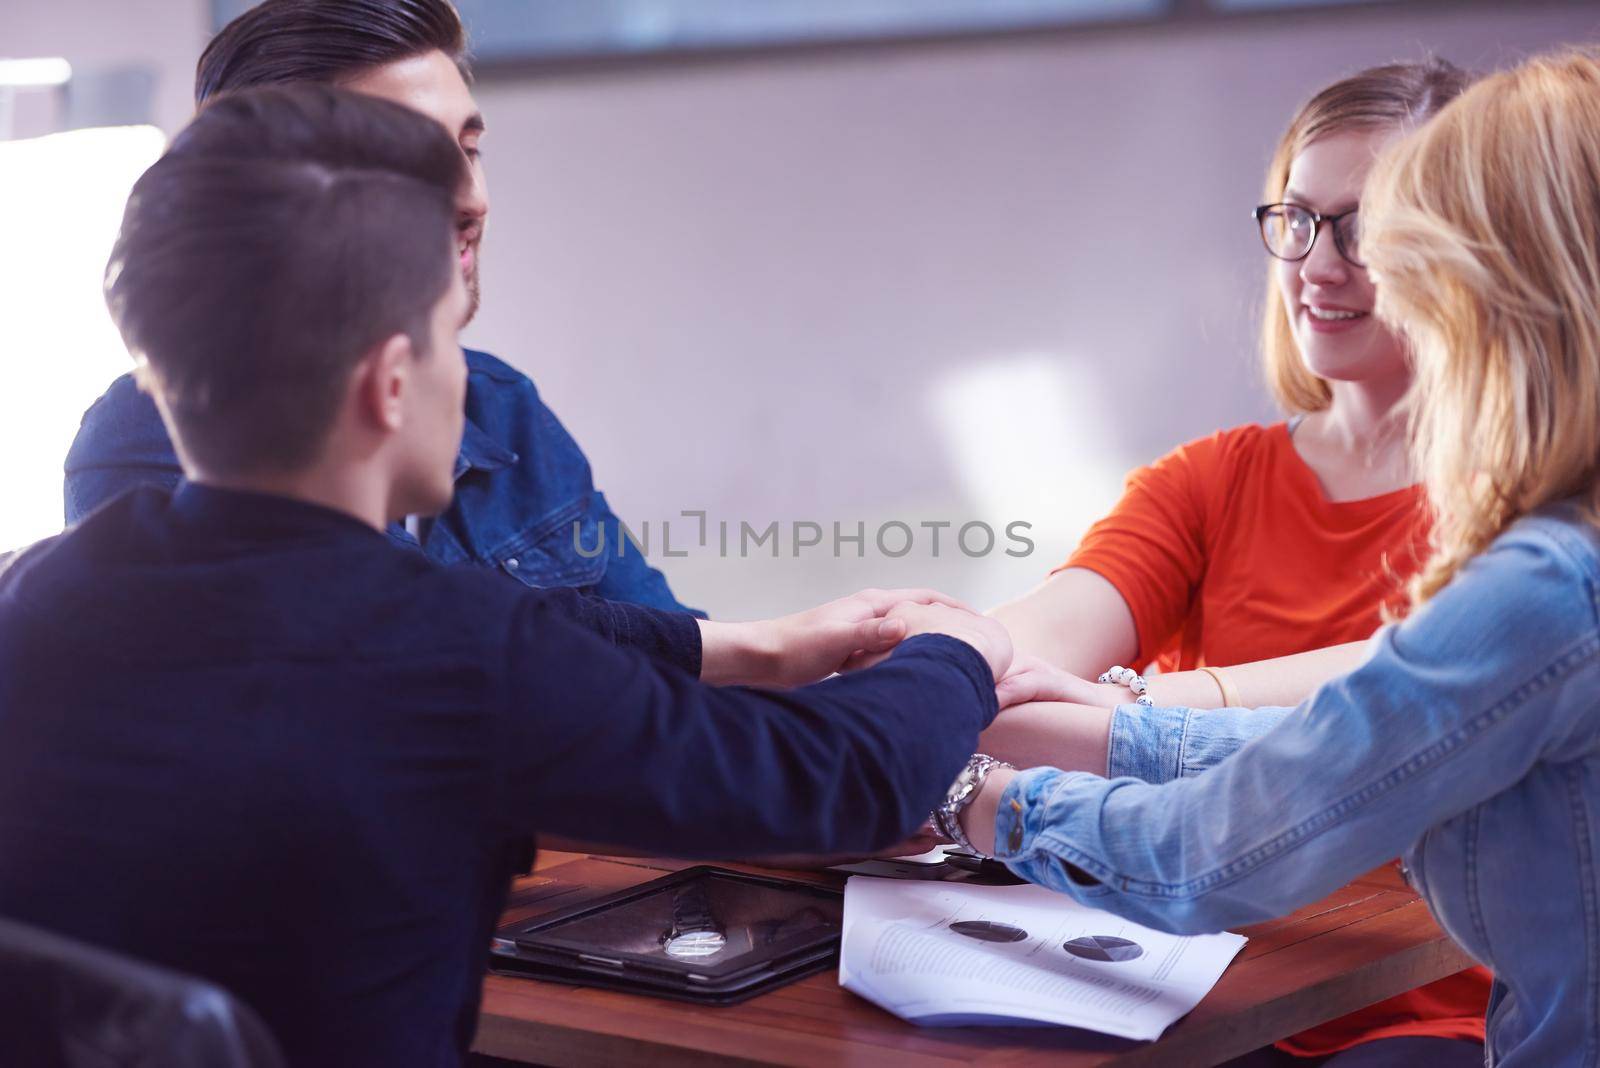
[[306, 756], [525, 501]]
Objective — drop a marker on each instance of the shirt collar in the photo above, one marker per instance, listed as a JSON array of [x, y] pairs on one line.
[[261, 516], [480, 452]]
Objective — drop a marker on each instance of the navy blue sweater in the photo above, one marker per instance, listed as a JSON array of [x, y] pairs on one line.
[[253, 740]]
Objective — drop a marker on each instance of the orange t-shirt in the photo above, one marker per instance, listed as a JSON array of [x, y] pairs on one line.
[[1227, 551]]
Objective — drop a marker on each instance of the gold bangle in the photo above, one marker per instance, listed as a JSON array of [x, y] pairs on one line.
[[1230, 697]]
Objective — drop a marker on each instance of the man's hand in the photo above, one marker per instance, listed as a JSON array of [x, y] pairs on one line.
[[797, 649], [988, 636], [1033, 679]]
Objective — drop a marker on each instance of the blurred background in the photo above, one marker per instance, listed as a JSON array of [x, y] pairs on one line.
[[861, 262]]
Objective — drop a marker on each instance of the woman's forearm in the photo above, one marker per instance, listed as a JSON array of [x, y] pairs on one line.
[[979, 819], [1284, 680], [1075, 620], [1079, 622], [1073, 737], [737, 653]]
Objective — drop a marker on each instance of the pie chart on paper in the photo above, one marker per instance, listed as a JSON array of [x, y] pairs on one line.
[[1108, 948], [989, 930]]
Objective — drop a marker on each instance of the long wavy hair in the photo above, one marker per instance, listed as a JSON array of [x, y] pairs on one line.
[[1483, 232], [1394, 95]]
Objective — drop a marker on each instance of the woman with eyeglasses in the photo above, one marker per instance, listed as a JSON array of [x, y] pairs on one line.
[[1252, 565], [1469, 737]]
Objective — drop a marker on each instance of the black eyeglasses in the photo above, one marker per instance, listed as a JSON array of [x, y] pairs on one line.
[[1289, 231]]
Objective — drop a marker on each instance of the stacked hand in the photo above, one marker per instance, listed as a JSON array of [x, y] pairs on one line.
[[842, 635], [988, 636], [846, 633], [1033, 679]]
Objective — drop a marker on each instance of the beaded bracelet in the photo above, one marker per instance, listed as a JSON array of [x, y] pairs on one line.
[[1130, 678]]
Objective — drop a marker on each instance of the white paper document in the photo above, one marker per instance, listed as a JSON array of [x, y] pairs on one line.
[[956, 954], [932, 856]]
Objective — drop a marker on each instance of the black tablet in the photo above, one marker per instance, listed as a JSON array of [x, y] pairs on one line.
[[704, 934]]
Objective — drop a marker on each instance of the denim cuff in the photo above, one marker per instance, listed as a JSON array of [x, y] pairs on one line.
[[1146, 743], [1035, 827], [1025, 810]]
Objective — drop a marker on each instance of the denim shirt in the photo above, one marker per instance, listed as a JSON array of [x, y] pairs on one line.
[[1468, 742], [525, 502]]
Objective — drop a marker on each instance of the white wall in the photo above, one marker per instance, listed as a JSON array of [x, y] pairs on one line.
[[971, 281], [165, 36]]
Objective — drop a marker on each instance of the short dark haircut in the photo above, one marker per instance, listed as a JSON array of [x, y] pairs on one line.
[[284, 42], [260, 259]]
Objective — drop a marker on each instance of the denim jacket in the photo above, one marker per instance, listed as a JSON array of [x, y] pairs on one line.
[[525, 502], [1468, 743]]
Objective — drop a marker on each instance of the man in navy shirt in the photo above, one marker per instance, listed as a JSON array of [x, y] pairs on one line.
[[244, 735], [525, 501]]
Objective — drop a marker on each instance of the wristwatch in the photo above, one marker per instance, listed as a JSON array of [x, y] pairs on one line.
[[947, 817]]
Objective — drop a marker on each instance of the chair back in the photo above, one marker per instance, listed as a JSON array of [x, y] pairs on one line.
[[67, 1004]]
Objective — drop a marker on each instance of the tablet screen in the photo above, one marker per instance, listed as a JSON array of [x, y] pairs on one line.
[[709, 922]]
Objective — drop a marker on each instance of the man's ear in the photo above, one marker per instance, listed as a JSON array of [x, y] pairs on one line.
[[381, 382]]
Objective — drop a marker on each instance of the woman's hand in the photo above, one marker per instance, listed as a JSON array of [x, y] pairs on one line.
[[1034, 679]]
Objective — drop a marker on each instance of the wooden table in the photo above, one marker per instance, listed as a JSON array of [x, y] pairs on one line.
[[1368, 941]]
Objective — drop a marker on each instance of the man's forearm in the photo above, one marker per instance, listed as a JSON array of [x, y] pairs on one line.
[[737, 653], [670, 637]]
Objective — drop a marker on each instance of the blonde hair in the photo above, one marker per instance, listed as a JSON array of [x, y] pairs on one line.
[[1483, 231], [1396, 94]]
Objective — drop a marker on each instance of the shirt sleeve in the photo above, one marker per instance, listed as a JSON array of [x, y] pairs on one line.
[[600, 743], [1152, 546], [629, 577], [668, 636], [121, 443], [1161, 744], [1452, 707]]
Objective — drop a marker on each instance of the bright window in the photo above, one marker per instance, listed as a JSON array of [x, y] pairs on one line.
[[61, 200]]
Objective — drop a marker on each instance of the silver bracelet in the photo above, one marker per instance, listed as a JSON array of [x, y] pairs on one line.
[[947, 817], [1121, 676]]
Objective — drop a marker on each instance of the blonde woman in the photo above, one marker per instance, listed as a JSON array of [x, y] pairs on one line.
[[1469, 739], [1260, 542], [1251, 564]]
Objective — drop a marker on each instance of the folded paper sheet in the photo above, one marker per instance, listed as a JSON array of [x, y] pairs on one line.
[[956, 954]]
